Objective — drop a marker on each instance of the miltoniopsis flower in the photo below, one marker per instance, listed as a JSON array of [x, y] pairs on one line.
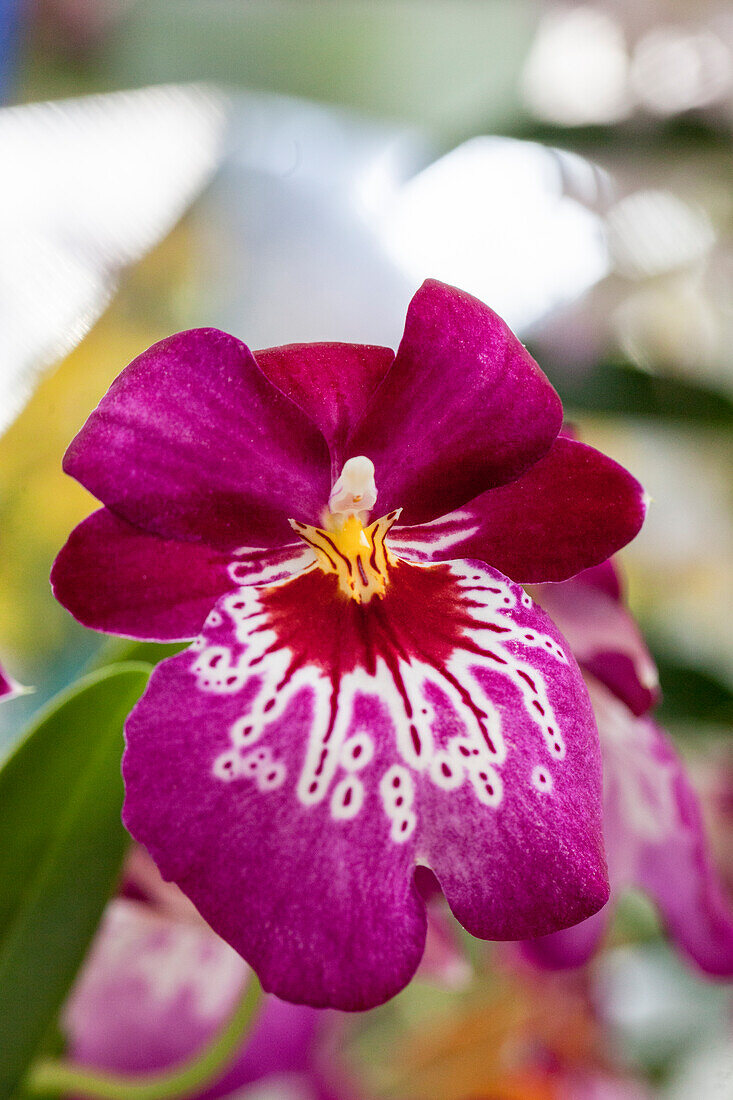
[[358, 701], [652, 824], [158, 985]]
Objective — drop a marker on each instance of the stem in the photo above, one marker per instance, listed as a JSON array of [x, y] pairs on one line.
[[188, 1079]]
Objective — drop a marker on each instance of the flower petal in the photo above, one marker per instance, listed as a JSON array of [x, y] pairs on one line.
[[605, 640], [573, 509], [192, 442], [654, 834], [295, 764], [606, 577], [154, 990], [464, 408], [114, 577], [332, 383], [569, 947]]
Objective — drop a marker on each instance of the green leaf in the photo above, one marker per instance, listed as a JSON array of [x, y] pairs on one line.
[[692, 695], [61, 847], [619, 389], [115, 650]]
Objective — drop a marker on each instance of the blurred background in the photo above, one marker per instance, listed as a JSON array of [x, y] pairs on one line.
[[291, 170]]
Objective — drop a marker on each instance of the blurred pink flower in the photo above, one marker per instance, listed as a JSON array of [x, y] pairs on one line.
[[652, 824], [158, 984]]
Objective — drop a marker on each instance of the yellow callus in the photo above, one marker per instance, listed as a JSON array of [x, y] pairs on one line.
[[356, 554]]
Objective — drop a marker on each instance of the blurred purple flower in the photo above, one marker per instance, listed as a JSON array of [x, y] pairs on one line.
[[652, 823], [354, 705], [158, 985]]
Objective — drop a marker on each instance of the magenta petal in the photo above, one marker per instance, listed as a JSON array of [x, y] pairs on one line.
[[7, 686], [114, 577], [192, 442], [573, 509], [332, 383], [605, 640], [154, 990], [325, 911], [569, 947], [463, 409], [606, 577], [295, 764], [655, 838]]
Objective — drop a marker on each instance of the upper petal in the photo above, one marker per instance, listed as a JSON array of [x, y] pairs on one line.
[[463, 409], [573, 509], [291, 769], [114, 577], [192, 442], [331, 382]]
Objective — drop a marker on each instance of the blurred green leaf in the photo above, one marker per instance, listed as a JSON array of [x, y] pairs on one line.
[[621, 389], [116, 650], [61, 846], [692, 695]]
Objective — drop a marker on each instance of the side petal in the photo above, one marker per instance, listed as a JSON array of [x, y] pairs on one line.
[[605, 640], [332, 383], [192, 442], [116, 578], [655, 837], [573, 509], [464, 408], [291, 769]]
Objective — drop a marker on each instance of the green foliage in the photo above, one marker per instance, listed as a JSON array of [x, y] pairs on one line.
[[61, 847], [692, 695], [620, 389]]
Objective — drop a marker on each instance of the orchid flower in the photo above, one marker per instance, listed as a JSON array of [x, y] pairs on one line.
[[652, 823], [341, 530], [157, 986]]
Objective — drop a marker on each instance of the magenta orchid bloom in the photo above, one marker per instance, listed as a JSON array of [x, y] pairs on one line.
[[652, 824], [356, 702], [157, 987]]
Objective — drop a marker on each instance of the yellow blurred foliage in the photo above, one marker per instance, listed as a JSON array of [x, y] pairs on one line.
[[39, 504]]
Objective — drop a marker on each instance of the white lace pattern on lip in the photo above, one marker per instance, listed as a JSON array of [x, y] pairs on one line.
[[342, 751]]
